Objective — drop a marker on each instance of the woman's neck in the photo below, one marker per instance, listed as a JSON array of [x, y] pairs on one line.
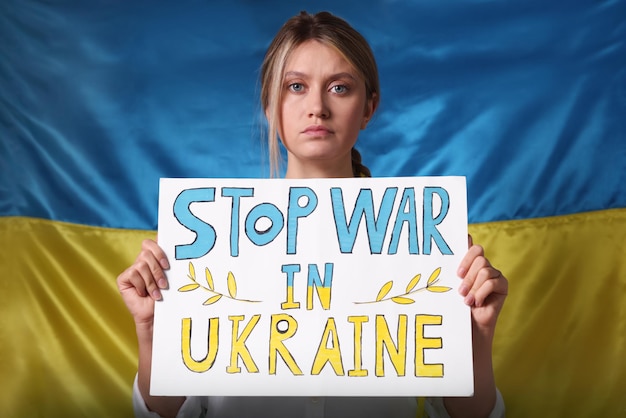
[[317, 171], [338, 168]]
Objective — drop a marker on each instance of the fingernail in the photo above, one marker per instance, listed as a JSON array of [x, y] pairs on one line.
[[469, 300], [461, 272], [463, 290], [156, 295], [164, 263], [162, 283]]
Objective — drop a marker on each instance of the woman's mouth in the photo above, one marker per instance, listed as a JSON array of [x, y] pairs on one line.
[[317, 130]]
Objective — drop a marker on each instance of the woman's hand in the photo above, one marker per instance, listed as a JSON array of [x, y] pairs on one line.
[[484, 289], [141, 283]]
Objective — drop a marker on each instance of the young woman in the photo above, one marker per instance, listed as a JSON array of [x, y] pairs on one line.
[[319, 89]]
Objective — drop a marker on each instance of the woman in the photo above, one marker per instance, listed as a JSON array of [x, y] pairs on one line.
[[319, 89]]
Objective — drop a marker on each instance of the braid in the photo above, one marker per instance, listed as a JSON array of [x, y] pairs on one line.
[[358, 169]]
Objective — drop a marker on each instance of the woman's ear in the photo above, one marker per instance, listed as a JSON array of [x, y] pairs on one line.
[[370, 108]]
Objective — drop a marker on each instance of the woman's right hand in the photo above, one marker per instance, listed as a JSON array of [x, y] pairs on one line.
[[140, 286], [141, 283]]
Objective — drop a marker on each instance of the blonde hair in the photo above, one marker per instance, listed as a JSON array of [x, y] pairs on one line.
[[330, 30]]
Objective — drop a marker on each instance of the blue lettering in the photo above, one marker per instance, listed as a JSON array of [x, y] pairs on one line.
[[205, 233], [363, 207], [410, 218], [295, 211], [264, 210], [236, 193], [430, 231]]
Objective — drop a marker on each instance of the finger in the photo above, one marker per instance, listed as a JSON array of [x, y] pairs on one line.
[[470, 264], [145, 275], [157, 252], [494, 283], [139, 277], [470, 241], [475, 276], [125, 280], [150, 255], [483, 286], [131, 279], [152, 276]]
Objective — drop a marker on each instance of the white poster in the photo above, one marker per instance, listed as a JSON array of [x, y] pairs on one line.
[[322, 287]]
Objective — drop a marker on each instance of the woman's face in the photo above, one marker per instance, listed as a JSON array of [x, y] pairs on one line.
[[324, 105]]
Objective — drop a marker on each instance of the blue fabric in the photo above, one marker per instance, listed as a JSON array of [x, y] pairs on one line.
[[100, 99]]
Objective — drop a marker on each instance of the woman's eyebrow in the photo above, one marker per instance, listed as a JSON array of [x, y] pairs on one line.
[[295, 74], [298, 74], [343, 75]]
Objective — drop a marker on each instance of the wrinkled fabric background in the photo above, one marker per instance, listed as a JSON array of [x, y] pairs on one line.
[[100, 99]]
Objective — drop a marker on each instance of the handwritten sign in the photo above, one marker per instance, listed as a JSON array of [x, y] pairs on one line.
[[324, 287]]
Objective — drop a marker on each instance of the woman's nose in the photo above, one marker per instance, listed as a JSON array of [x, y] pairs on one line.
[[317, 105]]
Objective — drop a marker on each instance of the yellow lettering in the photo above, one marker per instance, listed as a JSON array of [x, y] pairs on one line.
[[327, 354], [238, 345], [323, 294], [358, 343], [383, 339], [212, 346], [277, 336], [290, 303], [422, 343], [322, 286]]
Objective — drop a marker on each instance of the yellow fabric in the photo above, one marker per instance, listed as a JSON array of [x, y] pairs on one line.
[[68, 345], [559, 348], [420, 408], [67, 341]]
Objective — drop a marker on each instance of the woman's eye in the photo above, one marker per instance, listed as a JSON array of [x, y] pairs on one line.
[[339, 89], [296, 87]]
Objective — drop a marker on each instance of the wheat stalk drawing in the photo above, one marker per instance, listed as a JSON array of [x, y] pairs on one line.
[[411, 288], [210, 287]]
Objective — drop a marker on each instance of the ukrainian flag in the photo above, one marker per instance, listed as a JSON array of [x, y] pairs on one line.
[[99, 100]]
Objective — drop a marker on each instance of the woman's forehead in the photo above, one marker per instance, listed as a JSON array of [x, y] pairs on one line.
[[313, 56]]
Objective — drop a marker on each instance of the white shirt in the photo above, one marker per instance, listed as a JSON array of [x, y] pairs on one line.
[[303, 407]]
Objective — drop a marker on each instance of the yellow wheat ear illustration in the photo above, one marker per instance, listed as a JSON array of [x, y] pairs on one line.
[[209, 278], [411, 288], [231, 284], [434, 278], [384, 290]]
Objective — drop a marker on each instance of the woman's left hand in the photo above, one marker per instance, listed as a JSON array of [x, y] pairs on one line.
[[484, 288]]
